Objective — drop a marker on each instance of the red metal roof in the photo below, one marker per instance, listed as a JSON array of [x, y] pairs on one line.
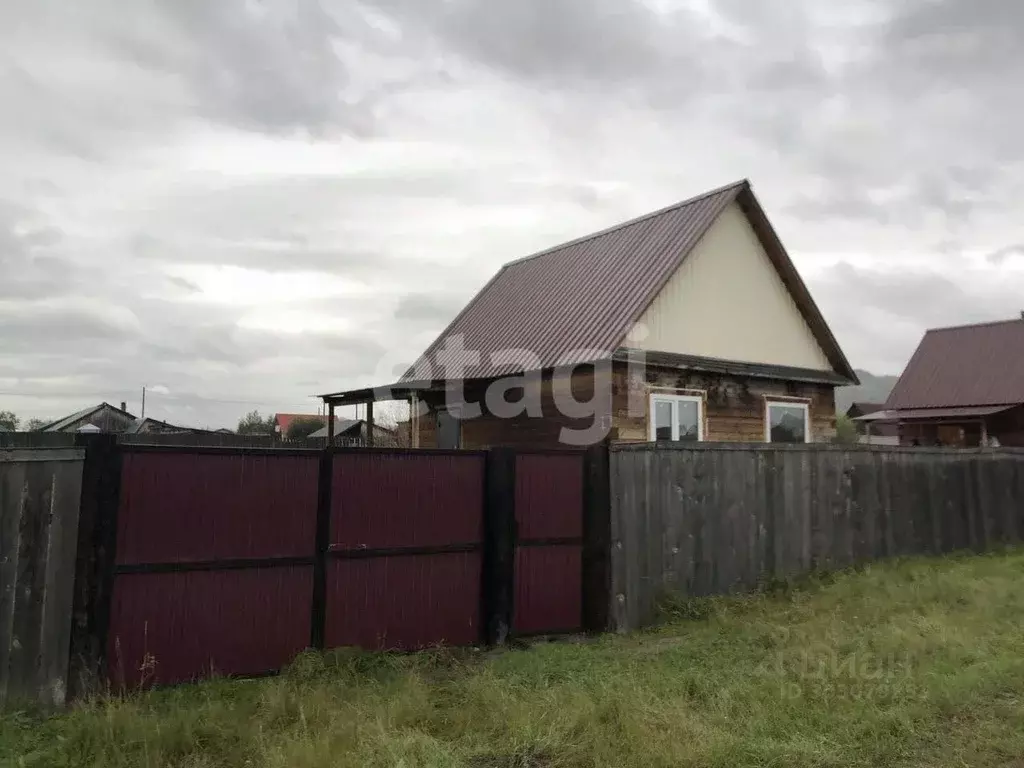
[[576, 302], [284, 420], [970, 365]]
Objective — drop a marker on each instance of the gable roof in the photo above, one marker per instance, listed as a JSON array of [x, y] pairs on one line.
[[967, 365], [576, 302], [148, 424], [341, 426], [67, 421]]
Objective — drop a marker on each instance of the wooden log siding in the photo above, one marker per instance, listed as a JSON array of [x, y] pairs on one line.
[[714, 519], [734, 409], [735, 406]]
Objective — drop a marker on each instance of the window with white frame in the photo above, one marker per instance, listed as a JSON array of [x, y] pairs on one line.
[[677, 417], [787, 422]]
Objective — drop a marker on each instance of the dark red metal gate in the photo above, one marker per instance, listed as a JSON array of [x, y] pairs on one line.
[[232, 561], [214, 563], [549, 509], [404, 557]]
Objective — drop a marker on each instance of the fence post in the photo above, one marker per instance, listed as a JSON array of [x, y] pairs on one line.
[[325, 479], [498, 588], [597, 521], [95, 561]]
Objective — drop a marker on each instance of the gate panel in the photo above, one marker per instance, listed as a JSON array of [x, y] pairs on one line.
[[404, 561], [214, 563], [402, 500], [405, 602], [549, 585], [549, 547], [188, 507], [177, 627]]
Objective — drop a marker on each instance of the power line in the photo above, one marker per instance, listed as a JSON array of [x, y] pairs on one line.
[[150, 394]]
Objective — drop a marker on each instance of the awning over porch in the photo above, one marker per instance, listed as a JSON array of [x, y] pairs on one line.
[[934, 414]]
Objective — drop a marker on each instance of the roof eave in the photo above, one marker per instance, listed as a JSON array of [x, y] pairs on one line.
[[731, 367]]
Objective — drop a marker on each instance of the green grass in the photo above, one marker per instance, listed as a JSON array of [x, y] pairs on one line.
[[919, 663]]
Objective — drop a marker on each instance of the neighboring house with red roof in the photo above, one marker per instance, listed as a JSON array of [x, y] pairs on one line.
[[688, 324], [283, 421], [963, 387]]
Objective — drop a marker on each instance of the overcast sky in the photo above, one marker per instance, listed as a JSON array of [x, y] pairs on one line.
[[242, 203]]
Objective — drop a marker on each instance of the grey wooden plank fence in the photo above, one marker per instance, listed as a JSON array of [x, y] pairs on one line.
[[39, 503], [715, 519]]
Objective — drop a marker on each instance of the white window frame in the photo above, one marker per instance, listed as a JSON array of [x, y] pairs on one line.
[[654, 397], [805, 406]]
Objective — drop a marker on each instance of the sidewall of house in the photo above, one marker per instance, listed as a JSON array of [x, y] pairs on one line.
[[734, 406]]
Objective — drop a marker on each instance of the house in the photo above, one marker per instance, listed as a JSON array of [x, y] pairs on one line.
[[98, 418], [690, 323], [284, 421], [964, 387], [357, 430], [150, 426], [881, 433], [106, 418]]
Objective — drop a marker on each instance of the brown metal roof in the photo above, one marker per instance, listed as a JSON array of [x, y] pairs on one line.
[[929, 414], [970, 365], [576, 302]]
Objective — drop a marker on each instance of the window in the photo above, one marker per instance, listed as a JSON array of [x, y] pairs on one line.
[[787, 423], [677, 417]]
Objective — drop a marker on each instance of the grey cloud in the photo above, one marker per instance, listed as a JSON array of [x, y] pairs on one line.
[[998, 257], [880, 316], [269, 66], [433, 309], [558, 41]]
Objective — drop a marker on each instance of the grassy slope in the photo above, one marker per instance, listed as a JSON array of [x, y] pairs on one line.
[[919, 663]]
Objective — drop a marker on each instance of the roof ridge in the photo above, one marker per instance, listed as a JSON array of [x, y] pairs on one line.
[[985, 324], [630, 222]]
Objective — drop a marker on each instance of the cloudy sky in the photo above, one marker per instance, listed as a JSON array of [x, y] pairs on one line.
[[242, 203]]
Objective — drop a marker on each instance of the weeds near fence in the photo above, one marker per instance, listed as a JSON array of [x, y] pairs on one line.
[[918, 662]]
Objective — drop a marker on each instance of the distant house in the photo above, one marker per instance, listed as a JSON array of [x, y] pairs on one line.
[[150, 426], [98, 418], [693, 319], [106, 418], [284, 421], [357, 430], [964, 386]]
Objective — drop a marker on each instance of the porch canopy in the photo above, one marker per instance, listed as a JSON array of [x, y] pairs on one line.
[[403, 390], [971, 413], [934, 414]]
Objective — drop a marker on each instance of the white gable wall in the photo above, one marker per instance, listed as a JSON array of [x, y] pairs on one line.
[[727, 301]]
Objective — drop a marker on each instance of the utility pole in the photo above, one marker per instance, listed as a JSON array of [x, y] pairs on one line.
[[143, 403]]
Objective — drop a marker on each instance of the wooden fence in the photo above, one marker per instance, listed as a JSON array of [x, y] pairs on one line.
[[714, 519], [39, 499]]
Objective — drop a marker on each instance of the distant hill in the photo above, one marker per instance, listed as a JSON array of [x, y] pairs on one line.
[[872, 389]]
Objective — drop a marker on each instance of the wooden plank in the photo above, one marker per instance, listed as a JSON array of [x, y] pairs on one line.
[[39, 502], [617, 592], [683, 468], [634, 481], [673, 567], [705, 504]]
